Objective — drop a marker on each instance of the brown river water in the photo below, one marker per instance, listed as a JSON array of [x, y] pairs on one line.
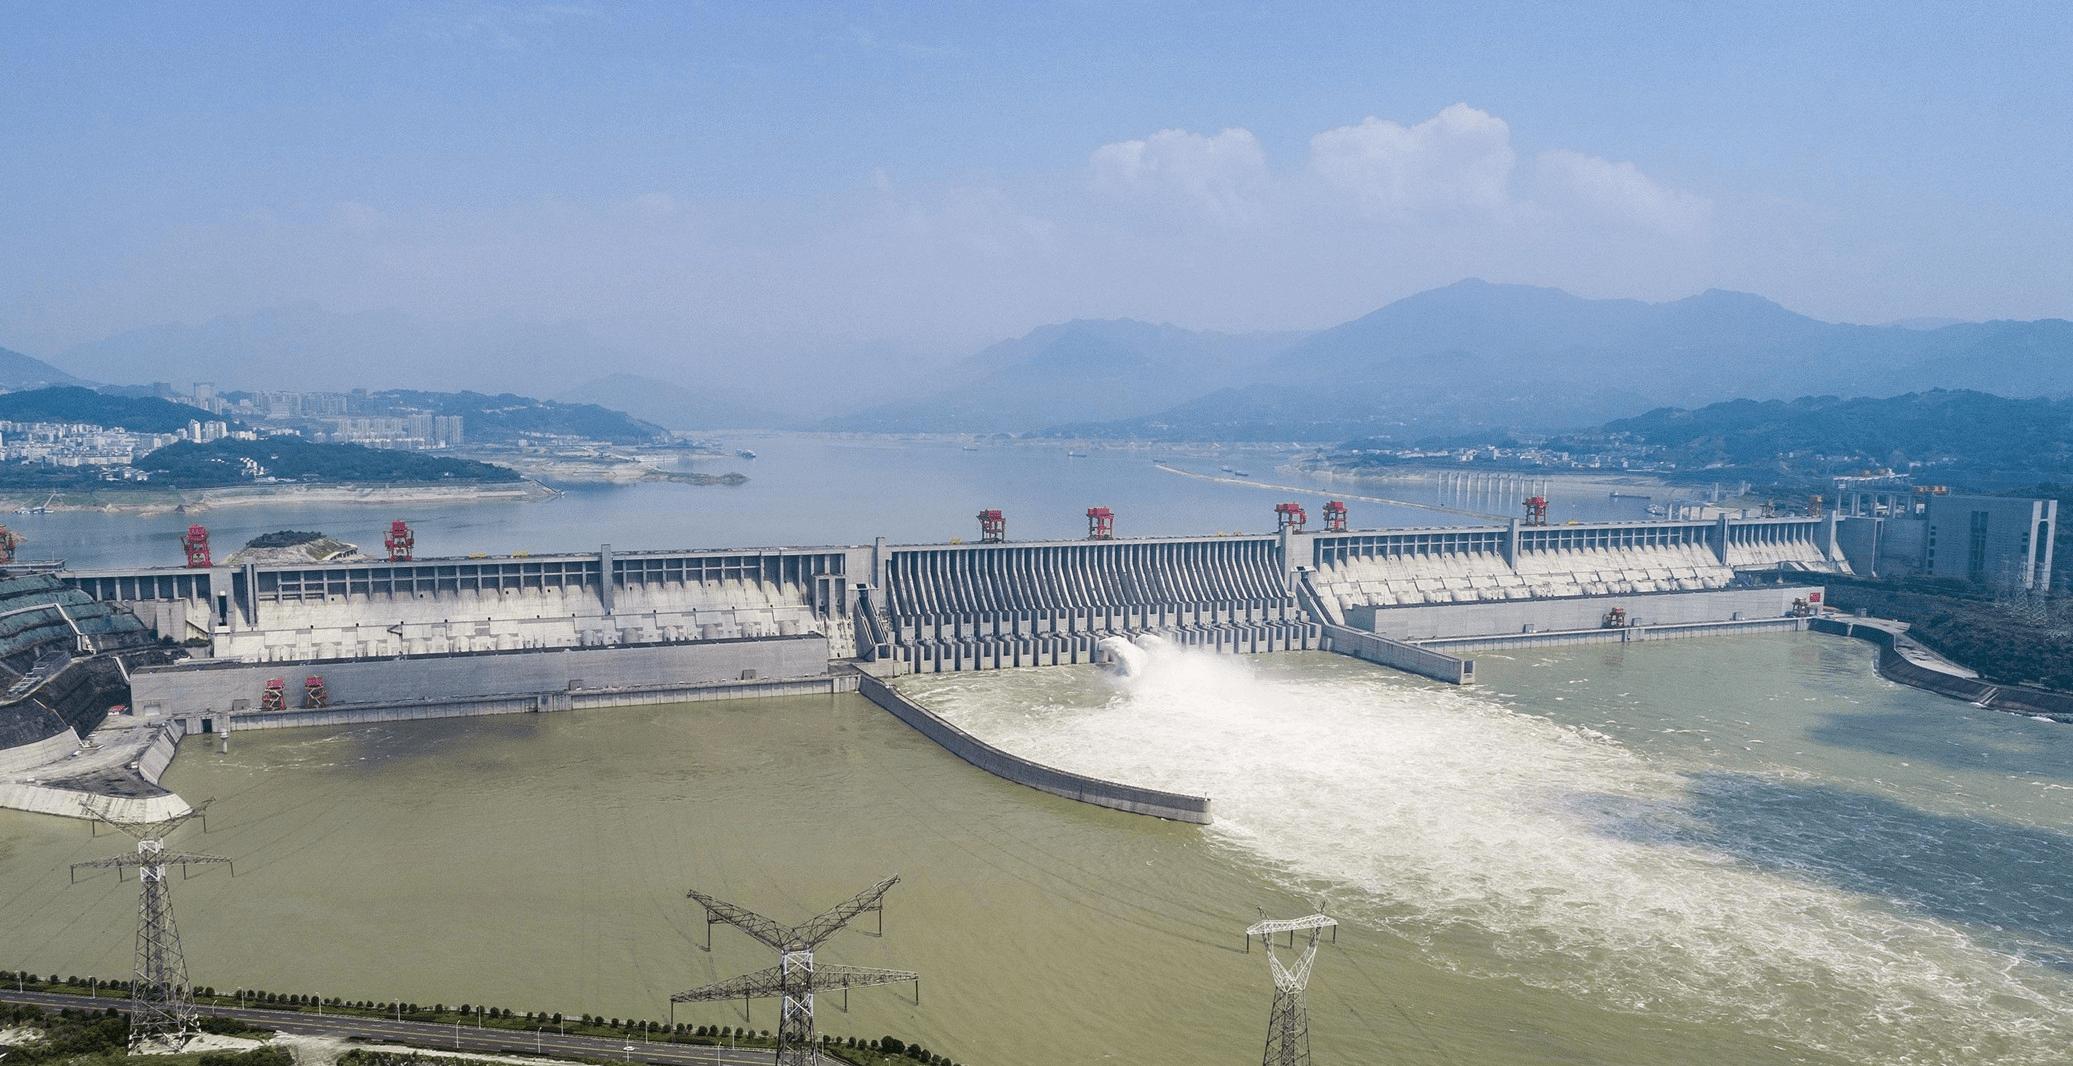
[[1744, 849]]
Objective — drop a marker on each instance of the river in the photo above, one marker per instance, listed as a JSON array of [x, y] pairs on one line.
[[1746, 849], [806, 489]]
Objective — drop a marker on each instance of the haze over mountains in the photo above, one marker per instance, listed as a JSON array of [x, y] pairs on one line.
[[18, 371], [1469, 355], [1084, 370]]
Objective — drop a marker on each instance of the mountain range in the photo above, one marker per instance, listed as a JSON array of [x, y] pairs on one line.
[[18, 371], [1084, 370], [1471, 355], [1941, 434], [1468, 357]]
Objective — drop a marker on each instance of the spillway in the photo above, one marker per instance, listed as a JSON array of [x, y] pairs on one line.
[[1653, 850]]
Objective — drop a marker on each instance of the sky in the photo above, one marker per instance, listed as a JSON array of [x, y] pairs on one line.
[[718, 188]]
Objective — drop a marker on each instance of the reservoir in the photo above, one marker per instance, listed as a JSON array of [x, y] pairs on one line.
[[1746, 849], [816, 489]]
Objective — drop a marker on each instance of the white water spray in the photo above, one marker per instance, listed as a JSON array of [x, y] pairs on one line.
[[1508, 845]]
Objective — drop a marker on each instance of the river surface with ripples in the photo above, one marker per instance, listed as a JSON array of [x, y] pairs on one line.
[[1744, 849]]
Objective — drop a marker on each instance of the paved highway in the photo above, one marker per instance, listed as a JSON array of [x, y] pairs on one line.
[[445, 1037]]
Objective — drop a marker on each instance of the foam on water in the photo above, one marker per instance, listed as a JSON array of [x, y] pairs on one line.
[[1510, 846]]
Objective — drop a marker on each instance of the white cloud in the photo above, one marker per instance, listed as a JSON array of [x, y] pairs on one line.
[[1222, 174], [1372, 211], [1601, 190], [1458, 160]]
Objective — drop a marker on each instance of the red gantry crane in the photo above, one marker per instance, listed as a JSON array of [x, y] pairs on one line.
[[9, 542], [195, 542], [1101, 523], [993, 527], [1536, 510], [1335, 516], [1291, 517], [400, 541]]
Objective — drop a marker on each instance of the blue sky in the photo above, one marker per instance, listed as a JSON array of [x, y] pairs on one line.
[[693, 182]]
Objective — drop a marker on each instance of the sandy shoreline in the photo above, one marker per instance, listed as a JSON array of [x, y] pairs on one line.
[[146, 502]]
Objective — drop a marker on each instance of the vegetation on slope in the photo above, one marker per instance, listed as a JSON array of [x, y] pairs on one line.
[[218, 463], [70, 403], [859, 1051], [1969, 433], [507, 418], [1965, 624], [101, 1038]]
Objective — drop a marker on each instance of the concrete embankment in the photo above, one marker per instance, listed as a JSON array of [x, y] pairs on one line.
[[62, 784], [1618, 635], [1895, 665], [1410, 658], [532, 703], [1111, 794], [490, 682]]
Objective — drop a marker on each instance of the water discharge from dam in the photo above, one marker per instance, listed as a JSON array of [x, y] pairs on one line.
[[1705, 879], [1746, 850]]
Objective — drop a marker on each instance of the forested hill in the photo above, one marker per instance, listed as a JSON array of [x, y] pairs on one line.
[[70, 403], [507, 417], [219, 462], [1960, 430]]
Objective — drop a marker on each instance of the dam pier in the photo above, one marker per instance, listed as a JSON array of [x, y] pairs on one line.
[[273, 645]]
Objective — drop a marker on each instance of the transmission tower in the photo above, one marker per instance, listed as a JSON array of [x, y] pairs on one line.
[[796, 977], [162, 1015], [1288, 1024]]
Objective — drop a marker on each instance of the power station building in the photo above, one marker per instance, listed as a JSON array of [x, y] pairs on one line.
[[2002, 541]]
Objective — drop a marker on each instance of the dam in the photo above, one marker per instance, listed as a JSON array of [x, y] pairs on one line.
[[277, 644], [1737, 848]]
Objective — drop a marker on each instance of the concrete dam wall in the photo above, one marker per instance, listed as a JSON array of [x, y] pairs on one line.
[[1111, 794], [377, 609], [987, 606], [1405, 568], [518, 680], [504, 630]]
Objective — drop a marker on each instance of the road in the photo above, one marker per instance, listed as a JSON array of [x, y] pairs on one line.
[[443, 1037]]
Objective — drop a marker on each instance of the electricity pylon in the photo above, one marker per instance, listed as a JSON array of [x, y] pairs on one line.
[[1288, 1024], [162, 1014], [796, 977]]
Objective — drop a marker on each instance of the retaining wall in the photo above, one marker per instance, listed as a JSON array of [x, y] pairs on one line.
[[1410, 658], [159, 753], [1439, 621], [65, 802], [1623, 635], [364, 714], [1094, 790], [36, 753], [205, 689], [1893, 666]]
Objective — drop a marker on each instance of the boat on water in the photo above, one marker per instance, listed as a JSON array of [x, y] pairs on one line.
[[1630, 495], [746, 454]]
